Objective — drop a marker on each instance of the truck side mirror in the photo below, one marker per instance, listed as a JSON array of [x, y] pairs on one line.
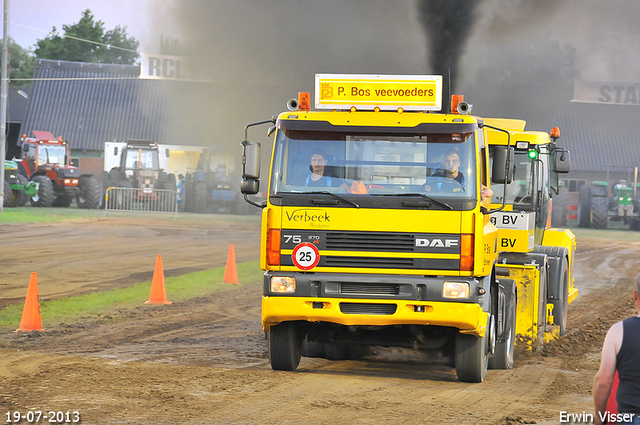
[[503, 158], [562, 161], [249, 187], [251, 161]]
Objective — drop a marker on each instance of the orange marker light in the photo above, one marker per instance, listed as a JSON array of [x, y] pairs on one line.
[[273, 247], [466, 252], [455, 100], [555, 132], [304, 103]]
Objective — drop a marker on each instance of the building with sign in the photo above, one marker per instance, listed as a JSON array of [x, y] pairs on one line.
[[90, 104]]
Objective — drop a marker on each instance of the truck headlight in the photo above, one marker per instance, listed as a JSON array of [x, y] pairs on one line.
[[455, 290], [283, 284]]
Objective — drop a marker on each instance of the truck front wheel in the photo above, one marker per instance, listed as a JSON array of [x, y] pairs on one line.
[[506, 336], [285, 346], [472, 357]]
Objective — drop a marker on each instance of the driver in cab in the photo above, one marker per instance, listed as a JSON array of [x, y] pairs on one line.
[[451, 164]]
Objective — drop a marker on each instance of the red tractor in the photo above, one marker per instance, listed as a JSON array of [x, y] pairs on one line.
[[47, 161]]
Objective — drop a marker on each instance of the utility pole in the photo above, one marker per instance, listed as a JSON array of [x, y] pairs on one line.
[[3, 99]]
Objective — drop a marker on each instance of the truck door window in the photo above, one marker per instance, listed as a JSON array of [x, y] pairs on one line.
[[519, 191]]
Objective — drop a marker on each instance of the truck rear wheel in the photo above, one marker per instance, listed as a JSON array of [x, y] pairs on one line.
[[472, 357], [89, 193], [584, 207], [285, 346], [599, 212], [44, 198], [561, 305], [506, 332]]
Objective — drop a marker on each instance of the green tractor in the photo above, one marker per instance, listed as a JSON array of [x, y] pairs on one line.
[[595, 208], [17, 189]]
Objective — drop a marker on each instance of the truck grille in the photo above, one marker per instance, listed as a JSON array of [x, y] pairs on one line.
[[370, 241], [369, 289], [368, 308], [369, 262]]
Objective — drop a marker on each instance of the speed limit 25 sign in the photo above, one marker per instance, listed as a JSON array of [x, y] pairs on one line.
[[305, 256]]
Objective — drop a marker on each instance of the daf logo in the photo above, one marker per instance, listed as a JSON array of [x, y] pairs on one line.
[[436, 243]]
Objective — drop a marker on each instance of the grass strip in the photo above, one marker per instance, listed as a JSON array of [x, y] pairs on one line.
[[29, 214], [89, 306]]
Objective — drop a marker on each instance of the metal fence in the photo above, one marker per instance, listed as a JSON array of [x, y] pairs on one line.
[[118, 199]]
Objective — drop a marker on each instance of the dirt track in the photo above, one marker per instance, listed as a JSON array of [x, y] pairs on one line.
[[204, 361]]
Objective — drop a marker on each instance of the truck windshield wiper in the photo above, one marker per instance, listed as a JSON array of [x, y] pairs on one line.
[[324, 192], [423, 196]]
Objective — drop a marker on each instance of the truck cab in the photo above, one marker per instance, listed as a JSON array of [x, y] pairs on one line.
[[367, 239], [531, 251]]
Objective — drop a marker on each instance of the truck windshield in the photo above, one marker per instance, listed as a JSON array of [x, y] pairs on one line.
[[520, 189], [51, 154], [437, 165], [141, 159]]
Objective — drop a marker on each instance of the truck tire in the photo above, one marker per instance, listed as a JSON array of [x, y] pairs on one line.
[[44, 198], [472, 357], [285, 346], [201, 197], [599, 212], [8, 194], [561, 304], [584, 207], [62, 201], [18, 197], [503, 356], [89, 193]]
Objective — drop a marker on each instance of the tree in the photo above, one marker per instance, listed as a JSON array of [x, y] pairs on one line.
[[84, 42], [117, 37], [20, 63]]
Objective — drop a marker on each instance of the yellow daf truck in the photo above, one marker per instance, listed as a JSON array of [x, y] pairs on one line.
[[539, 258], [374, 231]]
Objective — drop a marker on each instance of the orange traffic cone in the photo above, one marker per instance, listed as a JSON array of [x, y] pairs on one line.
[[158, 293], [230, 271], [31, 318]]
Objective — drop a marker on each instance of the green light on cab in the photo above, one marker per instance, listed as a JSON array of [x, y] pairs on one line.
[[533, 154]]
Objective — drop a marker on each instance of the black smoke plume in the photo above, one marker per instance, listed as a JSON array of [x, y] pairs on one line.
[[447, 24]]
